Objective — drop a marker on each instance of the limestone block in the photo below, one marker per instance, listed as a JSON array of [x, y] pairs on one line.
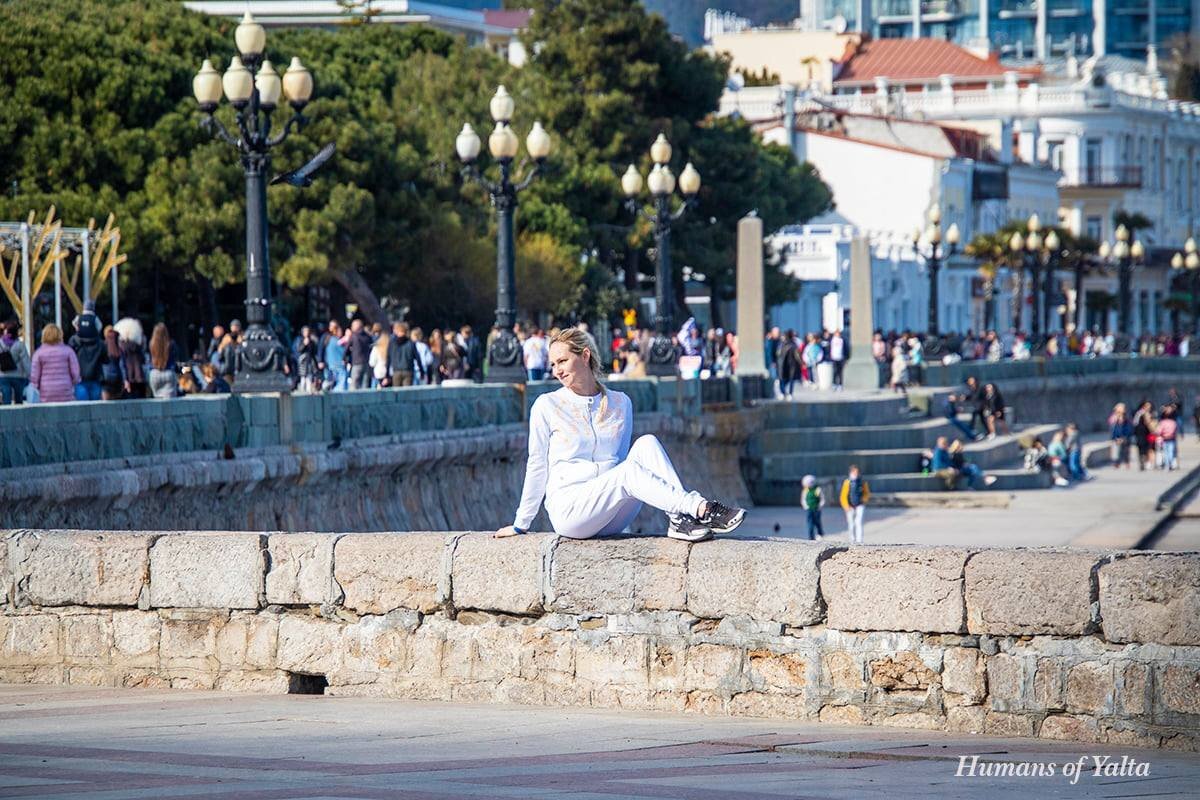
[[718, 668], [1026, 592], [1049, 684], [547, 656], [301, 568], [190, 641], [309, 645], [761, 704], [1005, 681], [87, 637], [619, 660], [60, 568], [499, 574], [775, 581], [135, 638], [963, 673], [618, 576], [904, 671], [842, 715], [1179, 689], [1070, 728], [89, 676], [32, 640], [1000, 723], [207, 570], [778, 672], [381, 572], [1090, 688], [1133, 691], [965, 719], [253, 681], [843, 671], [1151, 598], [895, 589]]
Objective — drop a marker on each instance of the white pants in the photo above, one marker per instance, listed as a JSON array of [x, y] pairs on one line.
[[854, 523], [609, 502]]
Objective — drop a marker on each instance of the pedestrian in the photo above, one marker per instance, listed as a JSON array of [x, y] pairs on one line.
[[812, 499], [133, 358], [855, 495], [358, 349], [54, 371], [733, 351], [163, 378], [229, 350], [214, 382], [402, 356], [112, 382], [899, 380], [592, 479], [1120, 428], [88, 344], [537, 355], [425, 365], [838, 353], [338, 376], [813, 355], [1143, 433], [471, 354], [377, 357], [14, 365], [453, 366], [770, 350], [1073, 441], [788, 362], [307, 359], [1167, 436]]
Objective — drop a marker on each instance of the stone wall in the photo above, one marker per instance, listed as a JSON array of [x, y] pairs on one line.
[[1081, 645]]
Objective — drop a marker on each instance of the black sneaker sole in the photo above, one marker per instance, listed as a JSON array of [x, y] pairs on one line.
[[732, 525]]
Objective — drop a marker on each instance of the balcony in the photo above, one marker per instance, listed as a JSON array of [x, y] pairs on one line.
[[1007, 9], [1103, 178], [894, 8]]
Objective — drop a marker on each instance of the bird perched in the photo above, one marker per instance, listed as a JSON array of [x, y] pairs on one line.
[[303, 176]]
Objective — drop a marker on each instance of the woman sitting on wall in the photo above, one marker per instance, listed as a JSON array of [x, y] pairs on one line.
[[581, 461]]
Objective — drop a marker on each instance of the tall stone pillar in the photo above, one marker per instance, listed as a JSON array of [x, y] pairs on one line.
[[861, 370], [751, 355]]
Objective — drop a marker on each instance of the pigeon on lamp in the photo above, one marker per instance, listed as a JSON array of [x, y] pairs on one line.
[[303, 176]]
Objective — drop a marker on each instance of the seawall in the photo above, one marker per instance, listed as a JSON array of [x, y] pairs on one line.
[[1089, 646]]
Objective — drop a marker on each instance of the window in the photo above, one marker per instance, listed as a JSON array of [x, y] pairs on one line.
[[1054, 154], [1094, 229]]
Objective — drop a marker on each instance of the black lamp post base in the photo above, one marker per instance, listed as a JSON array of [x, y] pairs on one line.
[[661, 361], [505, 364], [261, 359]]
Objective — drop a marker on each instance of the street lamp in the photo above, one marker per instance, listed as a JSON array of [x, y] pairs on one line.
[[254, 89], [504, 354], [1051, 243], [661, 183], [1125, 255], [936, 254]]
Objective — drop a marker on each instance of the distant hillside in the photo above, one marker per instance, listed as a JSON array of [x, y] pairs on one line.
[[686, 17]]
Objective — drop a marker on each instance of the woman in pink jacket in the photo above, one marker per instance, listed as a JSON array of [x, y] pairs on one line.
[[55, 369]]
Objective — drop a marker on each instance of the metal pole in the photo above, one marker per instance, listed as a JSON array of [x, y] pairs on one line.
[[664, 318], [1123, 271], [504, 355], [58, 293], [1035, 322], [26, 288], [115, 313], [1079, 295], [1195, 303], [1047, 292], [1018, 298], [87, 267], [934, 265]]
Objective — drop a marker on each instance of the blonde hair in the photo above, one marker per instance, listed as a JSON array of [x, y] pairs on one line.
[[52, 334], [577, 341]]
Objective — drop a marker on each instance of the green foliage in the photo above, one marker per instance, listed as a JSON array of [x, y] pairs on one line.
[[112, 126], [763, 77], [1133, 220]]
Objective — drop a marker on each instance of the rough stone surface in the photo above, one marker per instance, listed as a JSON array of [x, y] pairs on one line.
[[301, 568], [895, 589], [1151, 598], [379, 573], [963, 673], [764, 580], [1029, 592], [207, 570], [618, 576], [60, 568], [499, 574]]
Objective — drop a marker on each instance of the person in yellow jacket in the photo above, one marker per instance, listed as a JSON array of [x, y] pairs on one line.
[[854, 496]]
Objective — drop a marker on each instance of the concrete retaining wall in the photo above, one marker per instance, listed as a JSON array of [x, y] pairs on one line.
[[1067, 644]]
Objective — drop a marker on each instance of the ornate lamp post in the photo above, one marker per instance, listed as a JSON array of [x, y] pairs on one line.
[[504, 355], [1191, 262], [1051, 244], [1125, 255], [937, 253], [254, 89], [661, 182]]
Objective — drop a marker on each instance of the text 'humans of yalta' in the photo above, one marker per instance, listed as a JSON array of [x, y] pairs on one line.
[[1098, 766]]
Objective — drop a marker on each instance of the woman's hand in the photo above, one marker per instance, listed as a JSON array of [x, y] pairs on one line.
[[507, 530]]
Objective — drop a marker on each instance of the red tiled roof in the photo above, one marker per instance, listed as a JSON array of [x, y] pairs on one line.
[[517, 18], [911, 59]]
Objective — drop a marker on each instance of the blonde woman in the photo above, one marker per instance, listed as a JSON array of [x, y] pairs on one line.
[[55, 368], [582, 464]]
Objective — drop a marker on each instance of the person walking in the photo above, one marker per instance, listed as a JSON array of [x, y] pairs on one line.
[[14, 365], [1120, 428], [54, 371], [425, 364], [358, 347], [1167, 435], [1143, 433], [377, 358], [855, 495], [453, 366], [307, 359], [88, 345], [771, 350], [788, 363], [472, 354], [1073, 441], [812, 499], [813, 355], [164, 380], [582, 464], [838, 352], [899, 380], [112, 380], [335, 358], [537, 355], [133, 358], [402, 356]]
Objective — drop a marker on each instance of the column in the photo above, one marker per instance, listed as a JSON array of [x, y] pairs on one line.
[[916, 19], [1100, 27], [751, 358], [1039, 32], [861, 369]]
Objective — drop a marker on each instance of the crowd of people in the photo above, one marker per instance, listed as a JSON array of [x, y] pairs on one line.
[[1153, 432]]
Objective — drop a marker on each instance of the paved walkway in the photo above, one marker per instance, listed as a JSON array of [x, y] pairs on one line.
[[114, 744], [1114, 510]]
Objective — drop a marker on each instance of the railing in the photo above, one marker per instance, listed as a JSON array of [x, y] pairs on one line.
[[894, 8], [1124, 177]]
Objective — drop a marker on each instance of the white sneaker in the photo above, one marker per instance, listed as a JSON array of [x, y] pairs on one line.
[[989, 480], [1061, 482], [687, 528]]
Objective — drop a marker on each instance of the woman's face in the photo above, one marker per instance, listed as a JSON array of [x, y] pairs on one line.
[[571, 369]]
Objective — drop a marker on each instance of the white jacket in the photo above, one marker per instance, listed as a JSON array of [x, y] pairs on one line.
[[571, 441]]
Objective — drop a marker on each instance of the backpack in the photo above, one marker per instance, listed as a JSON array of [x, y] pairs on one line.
[[7, 362]]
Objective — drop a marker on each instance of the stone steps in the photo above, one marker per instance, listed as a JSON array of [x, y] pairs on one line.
[[881, 410], [858, 437], [788, 492]]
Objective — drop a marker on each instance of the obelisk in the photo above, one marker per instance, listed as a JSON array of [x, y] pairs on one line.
[[861, 370], [750, 333]]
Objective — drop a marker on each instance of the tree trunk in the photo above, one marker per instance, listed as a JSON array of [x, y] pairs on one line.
[[368, 303]]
